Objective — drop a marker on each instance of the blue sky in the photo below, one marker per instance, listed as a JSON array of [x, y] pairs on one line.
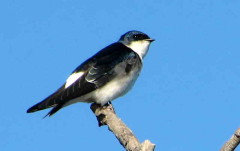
[[188, 94]]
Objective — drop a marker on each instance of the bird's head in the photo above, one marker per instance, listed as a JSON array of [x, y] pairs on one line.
[[137, 41]]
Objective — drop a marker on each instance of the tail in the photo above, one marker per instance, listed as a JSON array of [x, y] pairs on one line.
[[51, 101], [41, 106], [54, 110]]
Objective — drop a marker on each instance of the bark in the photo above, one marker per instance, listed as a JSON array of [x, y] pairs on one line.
[[233, 142], [107, 116]]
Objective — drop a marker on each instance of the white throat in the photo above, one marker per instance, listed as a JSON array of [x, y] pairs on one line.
[[140, 47]]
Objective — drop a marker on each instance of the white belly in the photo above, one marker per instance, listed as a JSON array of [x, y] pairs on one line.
[[114, 89]]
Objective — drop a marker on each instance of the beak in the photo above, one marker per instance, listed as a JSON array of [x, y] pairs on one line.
[[150, 40]]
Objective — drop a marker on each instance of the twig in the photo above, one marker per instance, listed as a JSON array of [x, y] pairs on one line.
[[106, 116], [233, 142]]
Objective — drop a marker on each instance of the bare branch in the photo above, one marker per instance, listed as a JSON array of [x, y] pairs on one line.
[[106, 116], [233, 142]]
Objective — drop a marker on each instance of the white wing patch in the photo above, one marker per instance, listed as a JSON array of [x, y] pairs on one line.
[[72, 78]]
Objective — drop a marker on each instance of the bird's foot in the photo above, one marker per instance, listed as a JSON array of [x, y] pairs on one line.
[[109, 106], [98, 111]]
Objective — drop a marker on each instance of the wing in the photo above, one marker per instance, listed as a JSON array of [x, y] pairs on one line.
[[92, 74]]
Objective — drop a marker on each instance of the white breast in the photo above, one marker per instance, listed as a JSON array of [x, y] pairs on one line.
[[140, 47], [116, 88]]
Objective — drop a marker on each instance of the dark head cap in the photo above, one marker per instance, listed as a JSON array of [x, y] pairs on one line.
[[134, 36]]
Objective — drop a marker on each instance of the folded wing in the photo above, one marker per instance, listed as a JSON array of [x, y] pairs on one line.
[[89, 76]]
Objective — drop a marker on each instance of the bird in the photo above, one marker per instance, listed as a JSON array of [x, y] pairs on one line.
[[105, 76]]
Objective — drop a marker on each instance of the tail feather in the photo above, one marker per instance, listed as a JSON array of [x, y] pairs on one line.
[[54, 110], [55, 100], [40, 106], [51, 101]]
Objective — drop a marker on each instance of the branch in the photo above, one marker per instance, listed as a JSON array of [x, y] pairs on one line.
[[106, 116], [233, 142]]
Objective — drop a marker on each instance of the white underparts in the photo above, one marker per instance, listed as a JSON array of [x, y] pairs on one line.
[[116, 87], [140, 47], [72, 78]]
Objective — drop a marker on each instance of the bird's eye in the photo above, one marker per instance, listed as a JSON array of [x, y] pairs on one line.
[[137, 36], [140, 37]]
